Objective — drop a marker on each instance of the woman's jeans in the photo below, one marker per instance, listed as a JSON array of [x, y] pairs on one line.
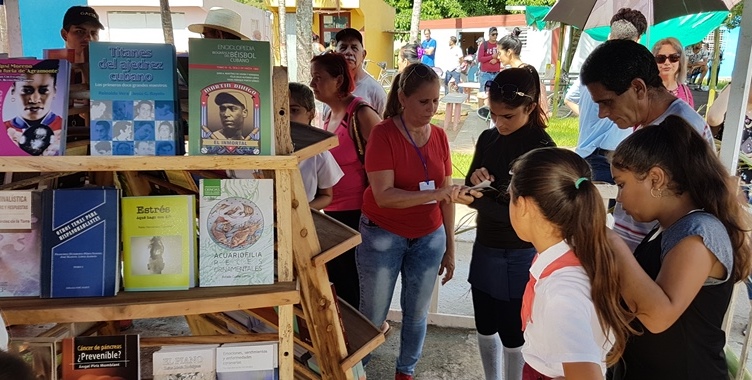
[[380, 258]]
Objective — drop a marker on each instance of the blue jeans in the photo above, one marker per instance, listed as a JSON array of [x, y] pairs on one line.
[[485, 77], [448, 75], [380, 258]]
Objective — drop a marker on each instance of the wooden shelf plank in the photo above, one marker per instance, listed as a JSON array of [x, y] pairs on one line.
[[335, 238], [137, 163], [156, 341], [362, 335], [310, 141], [136, 305]]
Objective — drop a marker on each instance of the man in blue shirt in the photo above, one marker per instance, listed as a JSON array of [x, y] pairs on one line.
[[429, 49]]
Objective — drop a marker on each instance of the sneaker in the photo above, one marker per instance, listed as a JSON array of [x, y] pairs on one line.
[[402, 376]]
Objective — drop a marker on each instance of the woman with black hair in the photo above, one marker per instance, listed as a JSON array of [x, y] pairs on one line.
[[510, 48], [501, 260]]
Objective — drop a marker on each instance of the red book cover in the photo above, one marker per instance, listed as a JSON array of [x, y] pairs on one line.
[[107, 357]]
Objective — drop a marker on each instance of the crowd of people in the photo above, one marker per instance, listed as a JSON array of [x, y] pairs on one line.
[[556, 294]]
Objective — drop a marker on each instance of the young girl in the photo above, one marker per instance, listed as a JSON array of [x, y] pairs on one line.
[[571, 313], [680, 279]]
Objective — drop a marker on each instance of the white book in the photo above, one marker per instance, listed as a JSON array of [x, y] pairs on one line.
[[181, 362], [247, 361]]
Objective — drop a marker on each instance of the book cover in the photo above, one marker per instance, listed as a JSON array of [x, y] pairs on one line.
[[33, 106], [20, 245], [101, 357], [230, 97], [80, 242], [236, 226], [185, 362], [133, 99], [159, 234], [248, 361], [39, 353]]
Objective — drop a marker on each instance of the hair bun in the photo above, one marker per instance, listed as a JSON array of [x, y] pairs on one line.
[[516, 32]]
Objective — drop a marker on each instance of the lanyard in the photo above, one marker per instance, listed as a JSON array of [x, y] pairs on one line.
[[422, 159]]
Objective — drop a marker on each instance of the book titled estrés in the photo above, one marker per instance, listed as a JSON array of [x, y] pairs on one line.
[[230, 97], [236, 227], [80, 244], [106, 357], [159, 234]]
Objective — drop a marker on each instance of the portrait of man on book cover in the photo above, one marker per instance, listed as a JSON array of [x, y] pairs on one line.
[[27, 110], [230, 120]]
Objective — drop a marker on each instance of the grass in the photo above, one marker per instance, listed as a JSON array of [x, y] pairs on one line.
[[563, 131]]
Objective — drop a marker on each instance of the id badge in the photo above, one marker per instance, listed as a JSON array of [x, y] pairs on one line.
[[427, 186]]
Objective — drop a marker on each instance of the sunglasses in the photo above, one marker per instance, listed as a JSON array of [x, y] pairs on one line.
[[494, 34], [673, 58], [421, 70], [508, 92]]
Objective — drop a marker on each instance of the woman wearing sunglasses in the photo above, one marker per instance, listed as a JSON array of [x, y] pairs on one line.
[[501, 260], [672, 64], [407, 226], [333, 85]]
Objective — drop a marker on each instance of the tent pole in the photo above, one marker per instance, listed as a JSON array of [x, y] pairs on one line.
[[557, 77], [713, 81], [738, 97], [164, 9]]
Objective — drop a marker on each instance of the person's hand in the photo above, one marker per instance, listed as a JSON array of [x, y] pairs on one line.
[[480, 175], [493, 61], [444, 194], [465, 195], [447, 267]]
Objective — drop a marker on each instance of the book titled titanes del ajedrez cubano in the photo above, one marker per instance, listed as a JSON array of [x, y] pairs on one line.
[[230, 97]]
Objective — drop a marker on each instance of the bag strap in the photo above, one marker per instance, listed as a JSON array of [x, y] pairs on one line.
[[354, 129]]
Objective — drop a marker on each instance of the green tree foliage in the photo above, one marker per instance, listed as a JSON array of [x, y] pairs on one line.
[[532, 2], [430, 10], [735, 18], [255, 3]]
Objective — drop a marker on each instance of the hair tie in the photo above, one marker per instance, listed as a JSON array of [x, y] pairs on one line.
[[578, 182]]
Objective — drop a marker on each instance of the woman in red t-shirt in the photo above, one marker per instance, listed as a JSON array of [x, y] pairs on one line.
[[407, 226], [333, 85]]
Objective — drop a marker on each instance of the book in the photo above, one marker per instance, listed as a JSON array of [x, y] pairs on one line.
[[194, 362], [33, 106], [236, 227], [248, 361], [101, 357], [133, 99], [230, 97], [159, 235], [39, 353], [20, 245], [80, 242]]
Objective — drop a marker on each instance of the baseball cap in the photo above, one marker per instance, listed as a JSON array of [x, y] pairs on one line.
[[232, 97], [349, 33], [78, 15], [492, 29]]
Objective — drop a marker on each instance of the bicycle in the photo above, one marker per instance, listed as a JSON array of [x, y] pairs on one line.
[[386, 76], [562, 110]]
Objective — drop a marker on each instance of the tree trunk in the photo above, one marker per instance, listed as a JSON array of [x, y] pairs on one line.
[[415, 21], [4, 46], [304, 18], [164, 8], [281, 13]]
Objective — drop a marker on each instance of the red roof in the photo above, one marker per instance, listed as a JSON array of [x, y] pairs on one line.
[[475, 22]]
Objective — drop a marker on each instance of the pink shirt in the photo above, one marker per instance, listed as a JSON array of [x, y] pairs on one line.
[[348, 192]]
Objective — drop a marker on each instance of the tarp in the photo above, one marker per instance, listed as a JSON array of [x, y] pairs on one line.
[[534, 16], [687, 29]]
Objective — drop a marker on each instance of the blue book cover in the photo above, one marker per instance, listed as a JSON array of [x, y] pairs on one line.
[[80, 242], [133, 99]]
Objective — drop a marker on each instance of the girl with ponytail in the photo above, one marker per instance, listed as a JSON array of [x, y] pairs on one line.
[[574, 323]]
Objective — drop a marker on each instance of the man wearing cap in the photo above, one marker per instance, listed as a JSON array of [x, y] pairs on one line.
[[221, 24], [487, 53], [80, 25], [429, 49], [232, 114], [350, 44]]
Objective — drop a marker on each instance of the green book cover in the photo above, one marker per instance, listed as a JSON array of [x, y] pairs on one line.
[[230, 98], [159, 238], [236, 226]]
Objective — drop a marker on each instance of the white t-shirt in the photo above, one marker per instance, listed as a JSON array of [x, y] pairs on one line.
[[631, 231], [564, 326], [319, 172]]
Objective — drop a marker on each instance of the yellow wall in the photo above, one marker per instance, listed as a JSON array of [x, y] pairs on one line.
[[378, 43]]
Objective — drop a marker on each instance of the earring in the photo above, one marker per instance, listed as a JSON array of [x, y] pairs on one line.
[[660, 193]]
